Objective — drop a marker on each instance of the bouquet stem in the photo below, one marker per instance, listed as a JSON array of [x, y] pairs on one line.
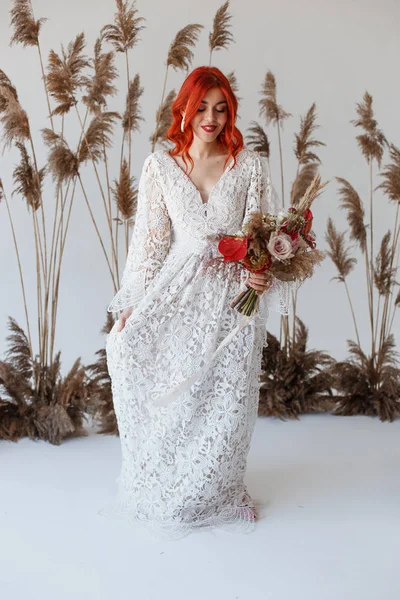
[[246, 302]]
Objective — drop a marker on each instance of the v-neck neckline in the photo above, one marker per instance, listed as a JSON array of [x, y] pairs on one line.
[[191, 182]]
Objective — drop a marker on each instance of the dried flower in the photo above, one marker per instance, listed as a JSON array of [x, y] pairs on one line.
[[351, 202], [29, 182], [180, 55], [231, 77], [221, 36], [391, 176], [97, 137], [131, 117], [26, 29], [304, 179], [338, 253], [164, 119], [13, 118], [124, 34], [258, 139], [101, 85], [65, 77], [125, 193], [304, 141], [269, 105], [373, 142], [383, 272], [63, 163]]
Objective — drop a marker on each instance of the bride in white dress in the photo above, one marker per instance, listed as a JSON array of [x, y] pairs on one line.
[[184, 365]]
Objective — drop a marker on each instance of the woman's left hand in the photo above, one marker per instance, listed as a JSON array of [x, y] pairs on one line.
[[259, 281]]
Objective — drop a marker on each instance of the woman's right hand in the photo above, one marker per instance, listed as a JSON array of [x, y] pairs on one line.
[[126, 313]]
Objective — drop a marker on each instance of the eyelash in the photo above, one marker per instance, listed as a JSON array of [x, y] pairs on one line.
[[203, 109]]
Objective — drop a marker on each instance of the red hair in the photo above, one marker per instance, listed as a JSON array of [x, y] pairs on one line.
[[188, 100]]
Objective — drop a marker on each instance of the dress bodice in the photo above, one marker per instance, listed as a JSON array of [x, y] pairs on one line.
[[226, 203], [172, 219]]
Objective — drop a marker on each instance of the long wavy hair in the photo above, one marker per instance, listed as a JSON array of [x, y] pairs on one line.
[[188, 100]]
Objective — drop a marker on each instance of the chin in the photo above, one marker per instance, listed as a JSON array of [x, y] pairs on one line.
[[207, 137]]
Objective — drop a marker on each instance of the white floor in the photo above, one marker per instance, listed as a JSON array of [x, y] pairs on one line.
[[332, 529]]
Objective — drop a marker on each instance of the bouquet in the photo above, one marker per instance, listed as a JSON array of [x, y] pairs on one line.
[[282, 245]]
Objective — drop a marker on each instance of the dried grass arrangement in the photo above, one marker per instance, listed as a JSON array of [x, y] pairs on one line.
[[286, 361], [82, 85], [368, 382], [295, 383], [55, 411], [101, 408]]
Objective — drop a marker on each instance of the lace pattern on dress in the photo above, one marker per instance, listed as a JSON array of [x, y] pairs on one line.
[[149, 242], [183, 465]]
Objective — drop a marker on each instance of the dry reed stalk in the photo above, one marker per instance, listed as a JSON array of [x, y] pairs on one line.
[[124, 35], [29, 186], [372, 143], [305, 188], [275, 114], [96, 137], [16, 130], [179, 57], [52, 411], [391, 187], [344, 263], [26, 32], [125, 195], [65, 80], [231, 77], [307, 161], [101, 405], [64, 165], [258, 139], [3, 196], [296, 383], [220, 36], [97, 231], [130, 122], [370, 384]]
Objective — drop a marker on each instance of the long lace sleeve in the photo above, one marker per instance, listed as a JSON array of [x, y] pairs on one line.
[[262, 196], [149, 242]]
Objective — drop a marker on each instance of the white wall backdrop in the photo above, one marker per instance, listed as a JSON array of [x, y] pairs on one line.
[[319, 51]]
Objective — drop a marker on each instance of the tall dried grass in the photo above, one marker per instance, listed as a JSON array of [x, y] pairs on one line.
[[76, 82], [368, 382], [306, 185]]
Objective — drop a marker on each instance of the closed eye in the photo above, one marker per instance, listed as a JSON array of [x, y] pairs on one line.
[[203, 109]]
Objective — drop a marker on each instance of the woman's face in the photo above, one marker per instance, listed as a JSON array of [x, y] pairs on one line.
[[211, 116]]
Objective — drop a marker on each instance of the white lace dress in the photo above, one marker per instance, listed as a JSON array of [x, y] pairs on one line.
[[185, 368]]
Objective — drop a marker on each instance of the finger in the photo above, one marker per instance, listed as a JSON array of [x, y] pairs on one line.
[[261, 285], [264, 283], [260, 278], [257, 281], [257, 286]]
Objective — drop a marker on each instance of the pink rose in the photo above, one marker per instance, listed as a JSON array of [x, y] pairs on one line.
[[281, 246]]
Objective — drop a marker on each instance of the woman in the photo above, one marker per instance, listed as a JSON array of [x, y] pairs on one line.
[[184, 368]]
